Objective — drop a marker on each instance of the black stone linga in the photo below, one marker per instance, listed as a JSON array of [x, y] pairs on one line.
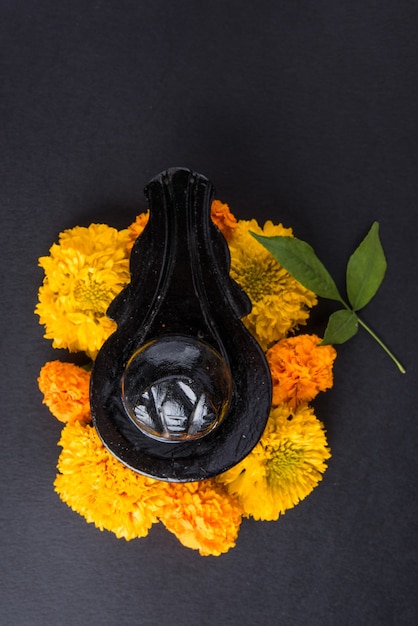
[[181, 391]]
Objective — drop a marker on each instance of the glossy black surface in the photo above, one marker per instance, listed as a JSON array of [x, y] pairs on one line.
[[181, 391]]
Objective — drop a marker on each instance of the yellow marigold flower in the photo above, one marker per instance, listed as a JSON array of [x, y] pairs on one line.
[[223, 218], [279, 302], [83, 274], [65, 387], [300, 369], [136, 228], [202, 515], [98, 487], [284, 467]]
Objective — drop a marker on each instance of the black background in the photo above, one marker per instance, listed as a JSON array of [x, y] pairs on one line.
[[299, 112]]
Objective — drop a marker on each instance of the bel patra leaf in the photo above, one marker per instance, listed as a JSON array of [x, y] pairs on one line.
[[300, 260], [342, 325], [366, 269]]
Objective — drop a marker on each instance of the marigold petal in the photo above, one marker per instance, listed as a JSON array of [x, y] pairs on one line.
[[300, 369], [84, 272], [65, 387], [136, 229], [279, 303], [98, 487], [202, 515], [223, 218], [284, 467]]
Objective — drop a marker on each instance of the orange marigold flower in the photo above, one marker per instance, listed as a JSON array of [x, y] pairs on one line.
[[136, 228], [202, 515], [65, 387], [300, 369], [223, 218]]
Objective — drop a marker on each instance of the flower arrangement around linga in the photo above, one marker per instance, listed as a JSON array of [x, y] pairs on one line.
[[84, 271]]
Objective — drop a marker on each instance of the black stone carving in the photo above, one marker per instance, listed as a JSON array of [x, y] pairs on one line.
[[181, 391]]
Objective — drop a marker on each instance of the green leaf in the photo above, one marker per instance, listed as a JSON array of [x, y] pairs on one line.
[[300, 260], [342, 325], [366, 269]]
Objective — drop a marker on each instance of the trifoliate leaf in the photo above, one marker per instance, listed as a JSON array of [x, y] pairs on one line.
[[342, 325], [366, 269], [300, 260]]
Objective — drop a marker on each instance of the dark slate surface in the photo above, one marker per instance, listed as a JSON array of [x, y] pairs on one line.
[[299, 112]]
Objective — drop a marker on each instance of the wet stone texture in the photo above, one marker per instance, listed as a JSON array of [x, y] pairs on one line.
[[172, 396]]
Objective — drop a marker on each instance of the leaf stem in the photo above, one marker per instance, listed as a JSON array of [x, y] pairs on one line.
[[382, 345]]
